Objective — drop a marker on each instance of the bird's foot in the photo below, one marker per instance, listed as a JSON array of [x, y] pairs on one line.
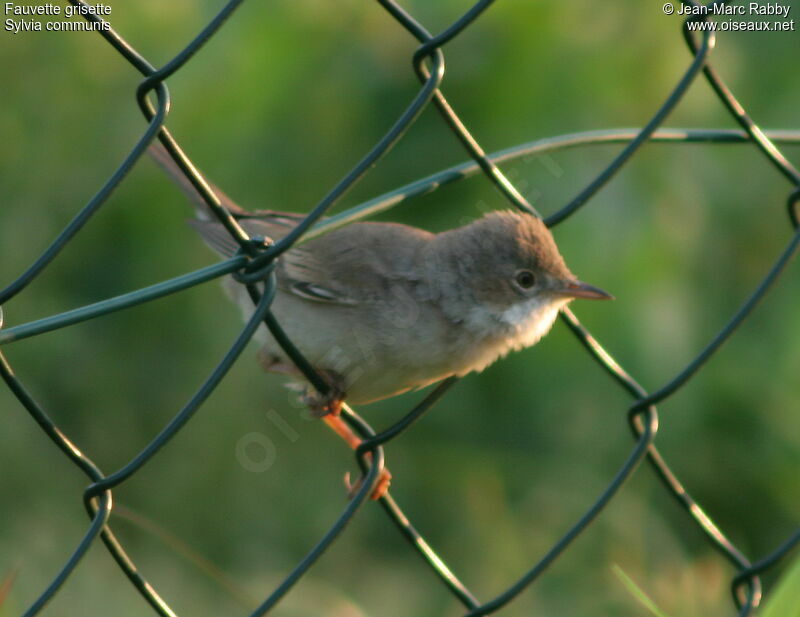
[[320, 404], [328, 406], [381, 486]]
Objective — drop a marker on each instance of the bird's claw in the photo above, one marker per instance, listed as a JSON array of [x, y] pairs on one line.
[[320, 404], [378, 492]]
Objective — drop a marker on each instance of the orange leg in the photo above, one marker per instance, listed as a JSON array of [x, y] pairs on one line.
[[341, 428], [329, 408]]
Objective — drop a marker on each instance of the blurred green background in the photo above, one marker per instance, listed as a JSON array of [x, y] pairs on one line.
[[276, 109]]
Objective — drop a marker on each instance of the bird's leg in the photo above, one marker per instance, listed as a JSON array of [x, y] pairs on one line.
[[329, 407], [341, 428], [319, 404]]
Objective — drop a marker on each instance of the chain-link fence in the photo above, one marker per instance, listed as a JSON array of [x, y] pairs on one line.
[[255, 261]]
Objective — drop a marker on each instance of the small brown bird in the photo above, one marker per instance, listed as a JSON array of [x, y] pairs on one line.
[[383, 308]]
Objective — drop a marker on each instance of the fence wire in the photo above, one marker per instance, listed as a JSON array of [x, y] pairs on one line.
[[255, 263]]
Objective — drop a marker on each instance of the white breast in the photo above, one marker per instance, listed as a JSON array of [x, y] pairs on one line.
[[531, 320], [517, 327]]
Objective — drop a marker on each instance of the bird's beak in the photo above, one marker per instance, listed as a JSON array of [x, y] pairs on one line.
[[579, 289]]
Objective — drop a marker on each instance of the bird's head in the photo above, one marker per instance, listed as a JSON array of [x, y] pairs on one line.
[[513, 276]]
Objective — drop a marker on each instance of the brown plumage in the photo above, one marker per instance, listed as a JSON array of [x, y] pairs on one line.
[[383, 308]]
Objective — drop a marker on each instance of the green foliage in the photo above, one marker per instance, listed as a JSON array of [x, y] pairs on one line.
[[637, 592], [784, 601]]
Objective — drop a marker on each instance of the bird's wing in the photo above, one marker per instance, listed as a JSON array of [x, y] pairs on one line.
[[356, 264], [348, 266], [299, 270], [268, 223]]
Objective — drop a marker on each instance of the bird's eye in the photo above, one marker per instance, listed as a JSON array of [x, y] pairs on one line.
[[525, 279]]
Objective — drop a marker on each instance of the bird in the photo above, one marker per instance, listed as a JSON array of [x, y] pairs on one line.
[[383, 308]]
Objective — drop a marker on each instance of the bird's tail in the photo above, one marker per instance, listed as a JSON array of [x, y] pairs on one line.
[[267, 223], [202, 210]]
